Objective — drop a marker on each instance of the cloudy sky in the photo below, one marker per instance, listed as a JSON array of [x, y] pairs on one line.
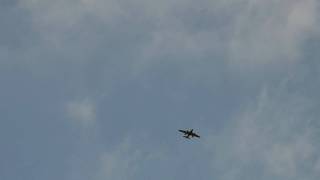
[[96, 89]]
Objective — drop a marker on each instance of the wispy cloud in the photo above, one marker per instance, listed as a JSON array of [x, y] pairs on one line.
[[272, 32], [124, 160], [89, 47], [82, 112], [273, 137], [246, 34], [120, 163]]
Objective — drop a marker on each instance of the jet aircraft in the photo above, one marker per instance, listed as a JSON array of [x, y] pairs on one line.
[[189, 133]]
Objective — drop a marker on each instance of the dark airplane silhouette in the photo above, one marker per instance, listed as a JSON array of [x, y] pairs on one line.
[[189, 133]]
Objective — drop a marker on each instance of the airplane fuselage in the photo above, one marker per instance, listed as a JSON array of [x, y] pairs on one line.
[[188, 133]]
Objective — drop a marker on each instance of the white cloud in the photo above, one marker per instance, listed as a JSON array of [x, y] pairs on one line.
[[272, 32], [125, 161], [317, 167], [273, 136], [82, 112], [255, 33], [286, 158], [120, 163]]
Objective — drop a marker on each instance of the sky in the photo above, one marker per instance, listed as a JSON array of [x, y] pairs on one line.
[[97, 89]]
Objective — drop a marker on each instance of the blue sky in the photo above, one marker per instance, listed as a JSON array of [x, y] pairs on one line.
[[96, 89]]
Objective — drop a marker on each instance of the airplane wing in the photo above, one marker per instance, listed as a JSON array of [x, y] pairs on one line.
[[183, 131], [195, 135]]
